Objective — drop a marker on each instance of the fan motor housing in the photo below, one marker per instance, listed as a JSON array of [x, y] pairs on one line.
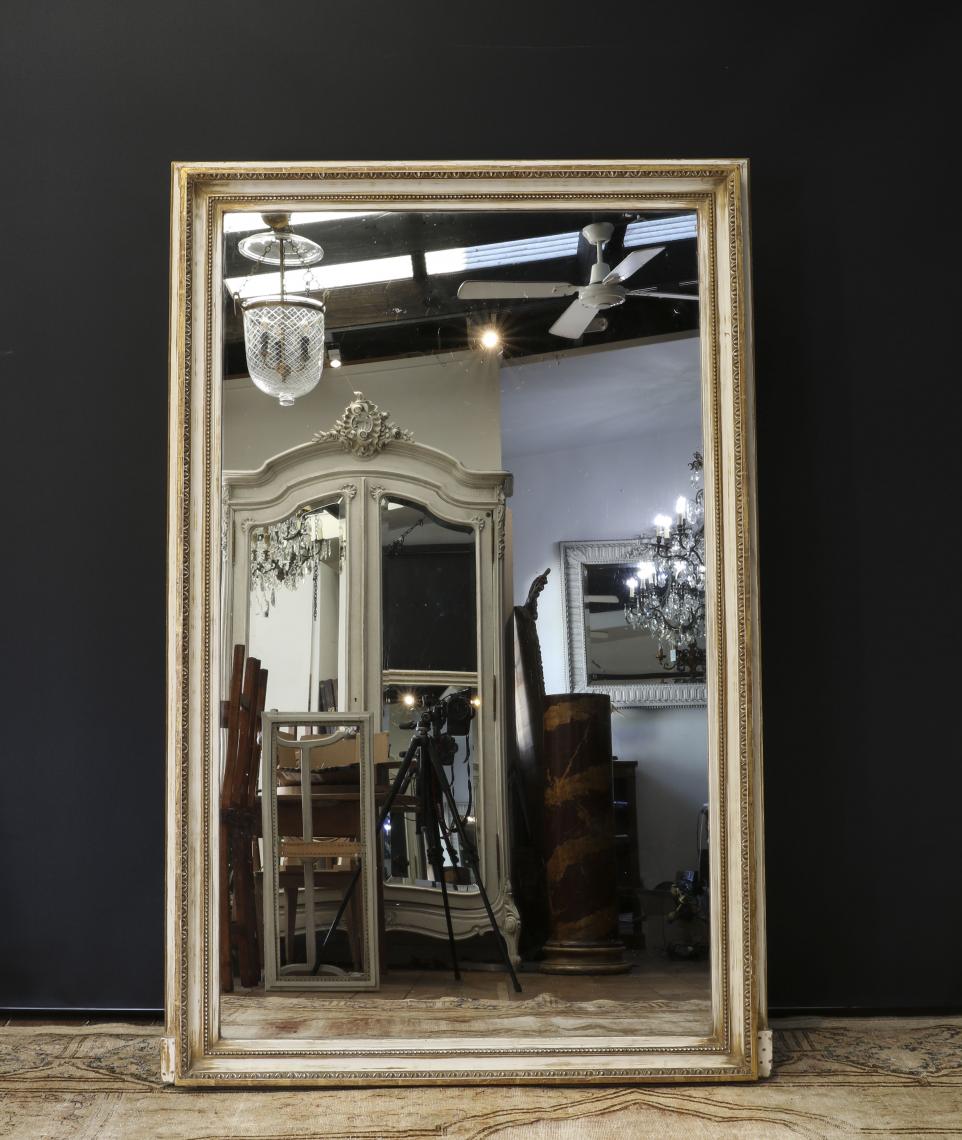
[[602, 296]]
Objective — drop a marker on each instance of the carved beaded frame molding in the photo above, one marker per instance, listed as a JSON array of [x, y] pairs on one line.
[[660, 693], [194, 1052]]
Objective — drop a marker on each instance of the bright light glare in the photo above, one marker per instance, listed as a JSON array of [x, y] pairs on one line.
[[410, 700], [681, 505], [476, 701], [495, 253], [238, 223], [317, 278], [490, 338], [663, 522], [656, 231]]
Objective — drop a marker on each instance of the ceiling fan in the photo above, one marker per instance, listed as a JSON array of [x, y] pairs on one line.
[[603, 291]]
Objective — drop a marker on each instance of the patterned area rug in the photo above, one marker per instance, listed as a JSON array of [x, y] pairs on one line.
[[843, 1078]]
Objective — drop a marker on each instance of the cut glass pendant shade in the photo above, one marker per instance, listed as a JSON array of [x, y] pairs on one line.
[[284, 339], [283, 335]]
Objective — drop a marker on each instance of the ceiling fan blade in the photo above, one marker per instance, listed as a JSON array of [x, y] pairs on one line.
[[657, 293], [631, 264], [497, 290], [574, 320]]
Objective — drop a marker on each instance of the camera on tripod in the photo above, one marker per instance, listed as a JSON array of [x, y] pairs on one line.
[[456, 710], [448, 716], [432, 747]]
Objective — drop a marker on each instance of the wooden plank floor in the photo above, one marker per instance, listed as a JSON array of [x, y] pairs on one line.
[[838, 1078]]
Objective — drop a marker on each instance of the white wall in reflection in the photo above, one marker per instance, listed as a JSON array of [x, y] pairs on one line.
[[450, 401], [608, 451]]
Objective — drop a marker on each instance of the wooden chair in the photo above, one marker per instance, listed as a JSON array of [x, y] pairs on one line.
[[322, 863], [240, 821]]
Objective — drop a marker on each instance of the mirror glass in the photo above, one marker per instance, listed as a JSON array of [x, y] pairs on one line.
[[429, 607], [407, 846], [422, 414], [644, 619], [297, 606]]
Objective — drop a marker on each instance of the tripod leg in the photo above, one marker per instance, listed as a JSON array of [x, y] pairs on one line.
[[399, 782], [437, 858], [471, 858]]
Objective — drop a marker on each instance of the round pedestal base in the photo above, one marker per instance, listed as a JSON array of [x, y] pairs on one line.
[[584, 958]]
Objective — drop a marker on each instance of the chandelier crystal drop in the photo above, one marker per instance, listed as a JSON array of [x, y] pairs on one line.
[[666, 594], [283, 335], [284, 553]]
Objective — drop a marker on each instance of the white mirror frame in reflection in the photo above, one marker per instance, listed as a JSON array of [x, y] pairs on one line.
[[736, 1042]]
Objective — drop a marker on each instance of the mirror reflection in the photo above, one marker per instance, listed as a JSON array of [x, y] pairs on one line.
[[644, 616], [296, 606], [317, 858], [408, 857], [428, 591], [463, 498]]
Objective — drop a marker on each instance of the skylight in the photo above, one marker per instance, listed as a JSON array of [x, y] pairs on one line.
[[655, 231], [247, 223], [320, 277], [496, 253]]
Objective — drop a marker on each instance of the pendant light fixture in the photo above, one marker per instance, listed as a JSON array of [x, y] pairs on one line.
[[283, 334]]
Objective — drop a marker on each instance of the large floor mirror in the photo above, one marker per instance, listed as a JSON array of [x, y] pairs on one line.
[[464, 776]]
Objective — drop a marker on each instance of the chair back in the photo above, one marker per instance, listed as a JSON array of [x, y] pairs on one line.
[[248, 690]]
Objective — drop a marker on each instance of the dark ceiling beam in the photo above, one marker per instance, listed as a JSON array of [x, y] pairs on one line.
[[386, 304], [423, 314], [389, 235], [398, 232], [524, 329]]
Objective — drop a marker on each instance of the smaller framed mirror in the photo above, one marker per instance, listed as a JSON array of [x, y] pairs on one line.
[[318, 852], [635, 613]]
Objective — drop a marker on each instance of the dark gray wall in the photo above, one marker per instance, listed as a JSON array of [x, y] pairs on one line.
[[844, 118]]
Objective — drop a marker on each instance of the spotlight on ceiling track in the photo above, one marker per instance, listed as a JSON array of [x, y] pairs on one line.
[[490, 338], [334, 357]]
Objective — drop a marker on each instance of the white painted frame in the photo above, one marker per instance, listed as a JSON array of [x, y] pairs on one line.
[[664, 693], [274, 977], [736, 1047]]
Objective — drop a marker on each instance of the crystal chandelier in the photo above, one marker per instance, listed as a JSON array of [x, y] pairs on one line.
[[666, 595], [283, 335], [285, 553]]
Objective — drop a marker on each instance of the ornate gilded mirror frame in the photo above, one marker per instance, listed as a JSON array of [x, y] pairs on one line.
[[737, 1048]]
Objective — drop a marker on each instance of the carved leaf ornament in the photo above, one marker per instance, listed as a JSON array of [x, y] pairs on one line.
[[363, 428]]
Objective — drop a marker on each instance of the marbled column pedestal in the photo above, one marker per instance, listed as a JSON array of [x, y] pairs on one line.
[[579, 830]]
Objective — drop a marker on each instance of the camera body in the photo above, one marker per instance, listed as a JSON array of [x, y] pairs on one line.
[[449, 716], [456, 711]]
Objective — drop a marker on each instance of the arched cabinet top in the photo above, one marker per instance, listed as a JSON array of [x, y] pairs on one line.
[[388, 453]]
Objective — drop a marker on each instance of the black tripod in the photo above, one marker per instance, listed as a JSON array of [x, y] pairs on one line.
[[422, 761]]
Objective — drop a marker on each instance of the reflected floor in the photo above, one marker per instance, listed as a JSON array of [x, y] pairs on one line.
[[657, 996]]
